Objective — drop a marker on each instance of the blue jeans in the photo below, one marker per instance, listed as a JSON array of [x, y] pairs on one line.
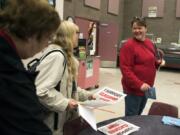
[[134, 105]]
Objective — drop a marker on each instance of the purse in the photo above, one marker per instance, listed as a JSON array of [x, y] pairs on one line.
[[74, 126]]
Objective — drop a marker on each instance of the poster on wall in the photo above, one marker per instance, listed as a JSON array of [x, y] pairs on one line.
[[152, 11], [113, 7], [93, 3]]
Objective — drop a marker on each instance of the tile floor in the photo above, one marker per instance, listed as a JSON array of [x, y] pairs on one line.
[[167, 85]]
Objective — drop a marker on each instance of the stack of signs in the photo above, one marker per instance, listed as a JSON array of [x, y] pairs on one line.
[[119, 127], [104, 97]]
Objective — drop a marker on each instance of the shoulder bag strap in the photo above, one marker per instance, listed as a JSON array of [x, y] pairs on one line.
[[56, 116], [156, 53], [152, 51]]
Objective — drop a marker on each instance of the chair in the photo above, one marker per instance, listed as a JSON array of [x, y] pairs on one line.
[[159, 108]]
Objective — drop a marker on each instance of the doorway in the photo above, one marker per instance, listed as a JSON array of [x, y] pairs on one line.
[[108, 44]]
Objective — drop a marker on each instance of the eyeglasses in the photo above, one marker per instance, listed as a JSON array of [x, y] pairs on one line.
[[77, 32], [139, 18]]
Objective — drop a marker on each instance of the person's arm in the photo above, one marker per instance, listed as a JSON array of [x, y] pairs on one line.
[[126, 58], [51, 72], [84, 94]]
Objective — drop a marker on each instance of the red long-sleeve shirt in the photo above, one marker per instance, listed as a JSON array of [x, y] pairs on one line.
[[138, 65]]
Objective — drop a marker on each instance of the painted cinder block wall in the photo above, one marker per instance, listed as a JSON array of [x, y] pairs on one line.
[[77, 8], [166, 27]]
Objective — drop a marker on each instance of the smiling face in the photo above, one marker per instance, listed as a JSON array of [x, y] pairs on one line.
[[139, 31]]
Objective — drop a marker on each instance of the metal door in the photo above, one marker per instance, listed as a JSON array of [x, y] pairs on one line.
[[108, 43]]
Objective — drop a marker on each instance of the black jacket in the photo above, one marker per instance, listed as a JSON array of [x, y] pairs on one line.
[[20, 110]]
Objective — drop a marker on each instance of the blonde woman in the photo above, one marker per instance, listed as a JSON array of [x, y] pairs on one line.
[[52, 72]]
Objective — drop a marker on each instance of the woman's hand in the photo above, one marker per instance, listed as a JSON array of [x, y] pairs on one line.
[[163, 62], [72, 104], [144, 87]]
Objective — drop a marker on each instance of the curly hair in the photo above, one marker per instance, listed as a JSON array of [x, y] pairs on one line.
[[64, 38], [27, 18]]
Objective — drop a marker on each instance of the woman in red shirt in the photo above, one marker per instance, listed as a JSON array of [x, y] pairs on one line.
[[138, 65]]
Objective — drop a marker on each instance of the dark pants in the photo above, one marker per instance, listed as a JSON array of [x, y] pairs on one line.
[[134, 105]]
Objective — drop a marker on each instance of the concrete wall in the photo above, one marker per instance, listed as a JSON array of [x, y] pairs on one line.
[[166, 27]]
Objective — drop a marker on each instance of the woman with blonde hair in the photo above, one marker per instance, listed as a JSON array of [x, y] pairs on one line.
[[60, 68]]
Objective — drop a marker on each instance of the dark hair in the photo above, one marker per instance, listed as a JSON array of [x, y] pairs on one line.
[[141, 21], [27, 18]]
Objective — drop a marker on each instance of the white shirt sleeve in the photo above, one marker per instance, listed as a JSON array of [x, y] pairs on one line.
[[51, 71]]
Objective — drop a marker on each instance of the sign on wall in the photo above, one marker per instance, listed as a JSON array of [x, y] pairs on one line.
[[153, 8], [152, 11]]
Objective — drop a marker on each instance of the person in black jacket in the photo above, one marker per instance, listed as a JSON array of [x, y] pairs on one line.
[[25, 29]]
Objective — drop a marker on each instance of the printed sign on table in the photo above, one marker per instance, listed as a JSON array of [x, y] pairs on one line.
[[105, 96], [118, 127]]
